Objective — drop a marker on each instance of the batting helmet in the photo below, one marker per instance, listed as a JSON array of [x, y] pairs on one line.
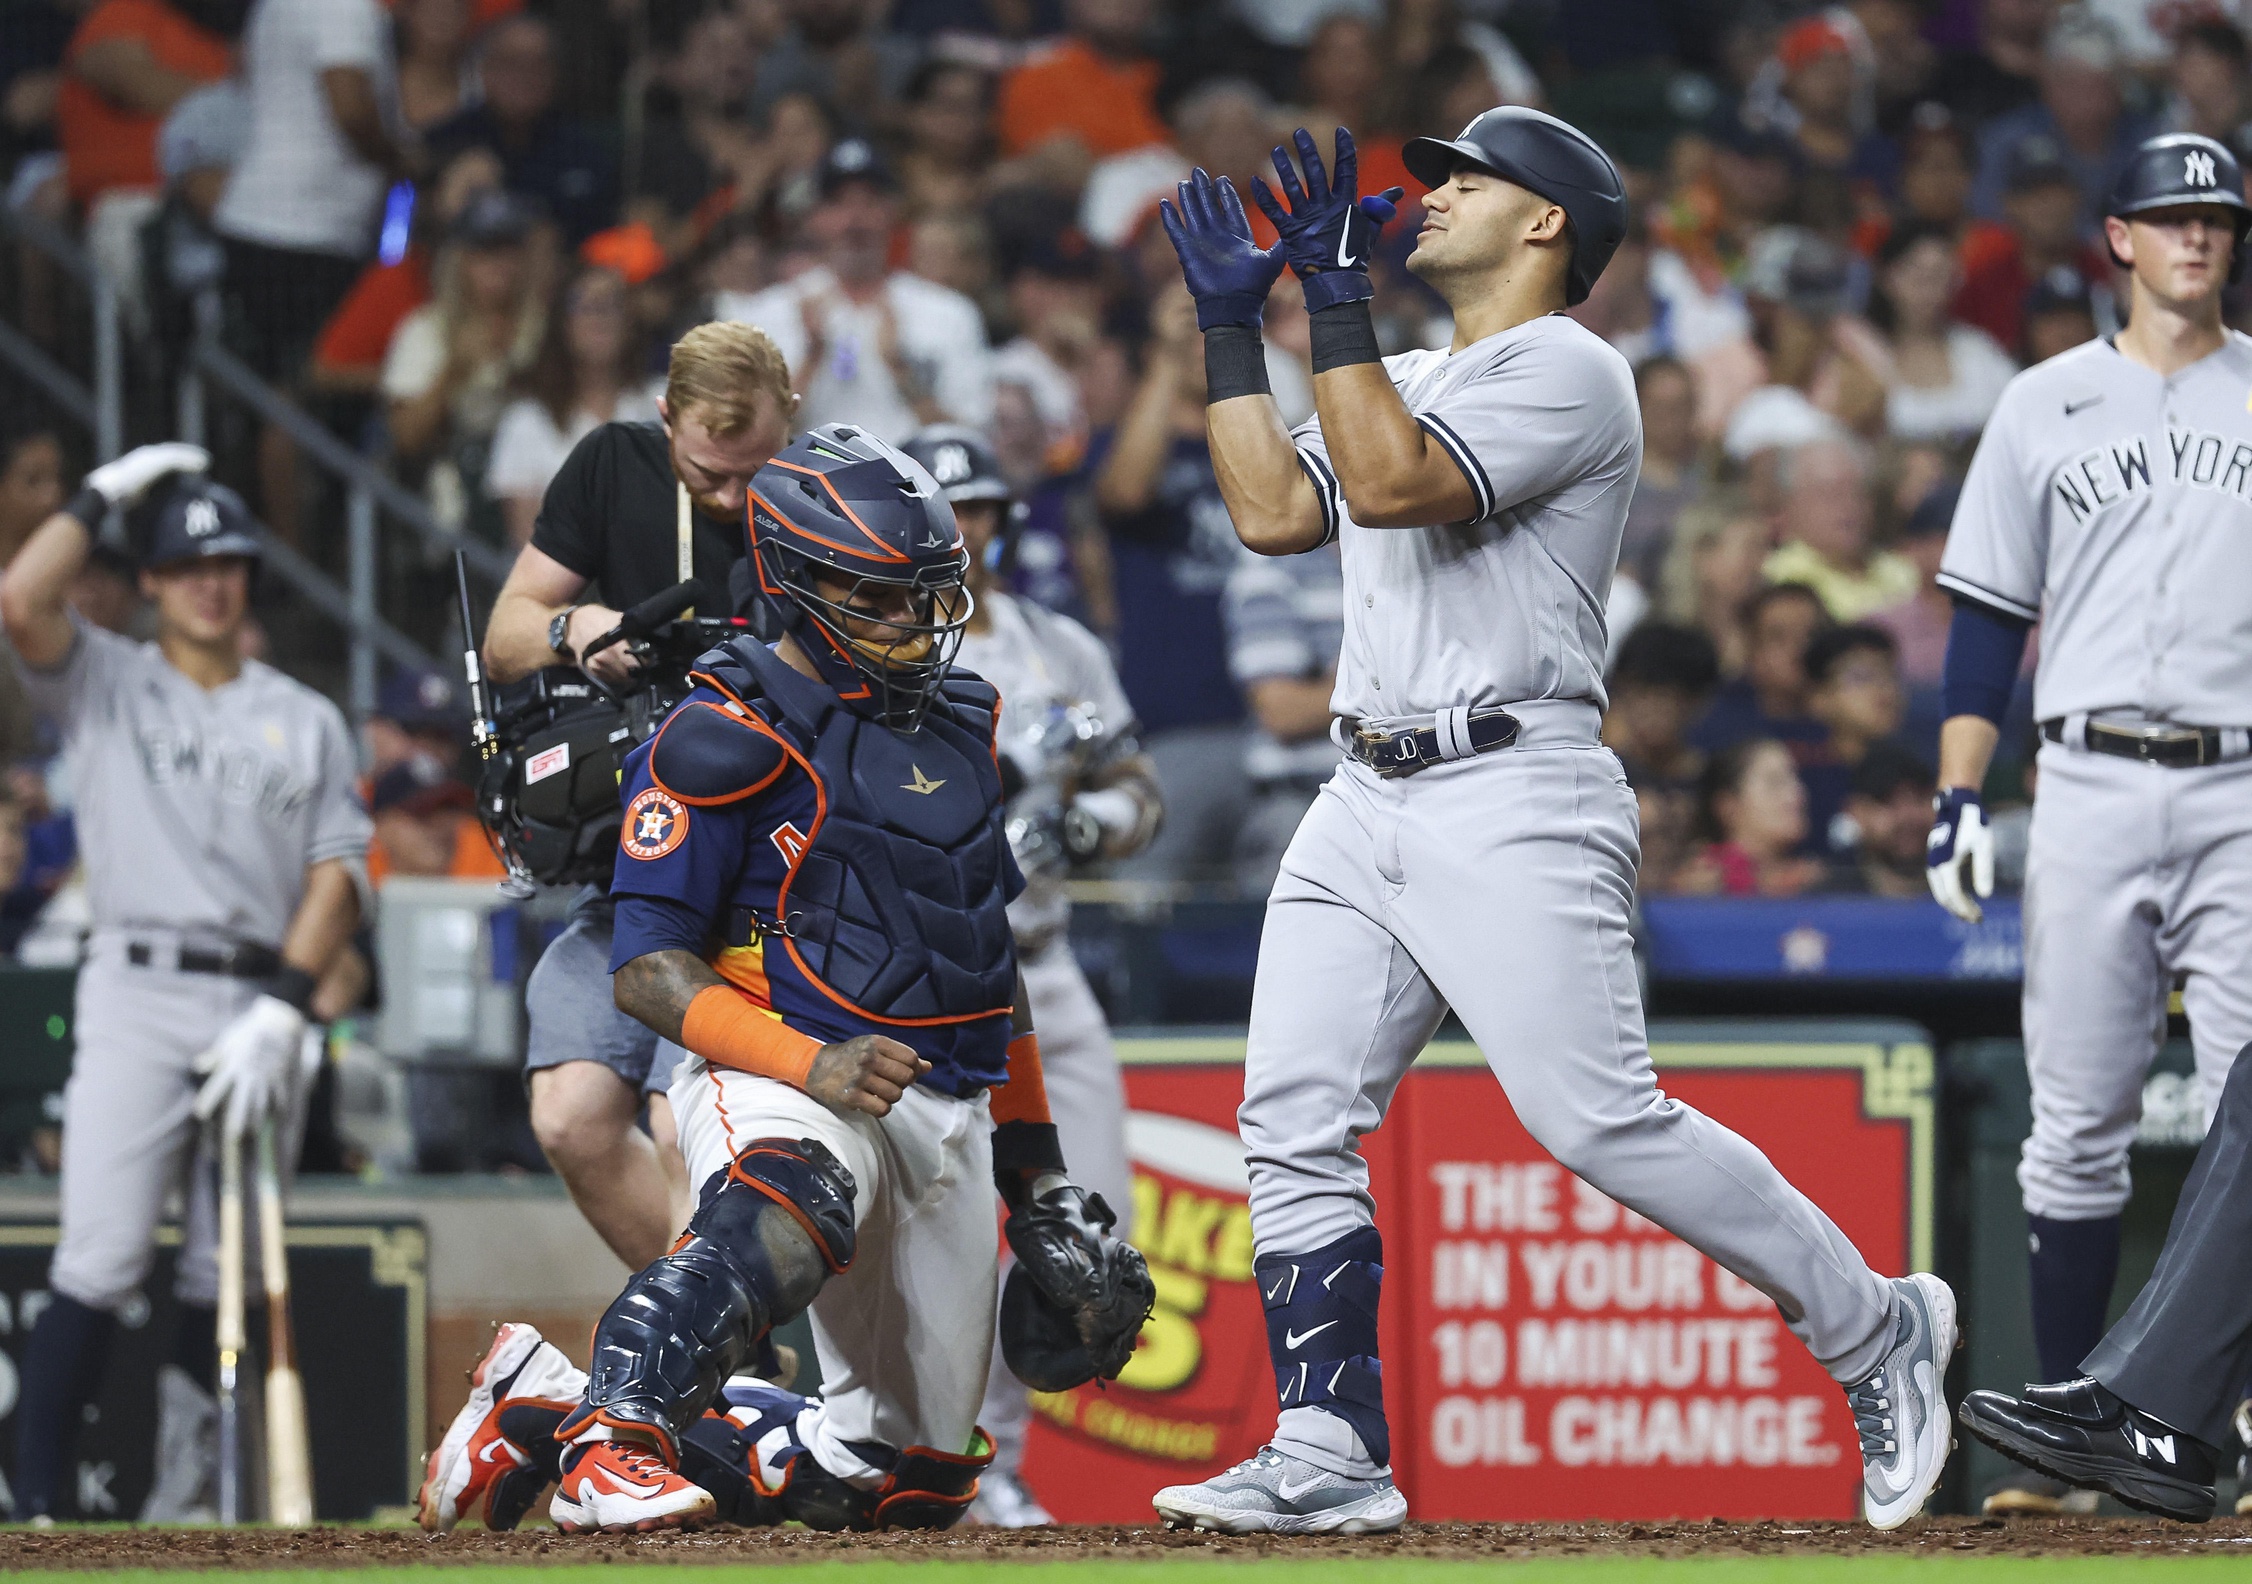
[[2183, 168], [1546, 156], [841, 508], [192, 519], [967, 469]]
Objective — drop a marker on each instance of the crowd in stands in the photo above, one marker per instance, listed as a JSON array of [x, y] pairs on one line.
[[479, 223]]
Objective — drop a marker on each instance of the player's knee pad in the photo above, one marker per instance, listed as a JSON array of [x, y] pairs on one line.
[[1321, 1332], [812, 1190]]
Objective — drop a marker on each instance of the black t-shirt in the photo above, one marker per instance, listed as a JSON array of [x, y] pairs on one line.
[[611, 515]]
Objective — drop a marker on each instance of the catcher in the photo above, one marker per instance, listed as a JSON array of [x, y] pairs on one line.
[[812, 891]]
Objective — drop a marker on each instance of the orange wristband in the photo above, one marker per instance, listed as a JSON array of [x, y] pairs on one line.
[[1024, 1097], [728, 1029]]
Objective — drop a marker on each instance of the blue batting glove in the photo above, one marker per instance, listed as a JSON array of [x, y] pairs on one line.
[[1329, 231], [1227, 273]]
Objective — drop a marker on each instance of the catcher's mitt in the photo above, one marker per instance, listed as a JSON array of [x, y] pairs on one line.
[[1078, 1296]]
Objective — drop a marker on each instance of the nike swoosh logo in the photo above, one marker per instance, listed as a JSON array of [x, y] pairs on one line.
[[1277, 1287], [1290, 1492], [1345, 245], [2072, 407], [494, 1451], [626, 1487], [1291, 1339]]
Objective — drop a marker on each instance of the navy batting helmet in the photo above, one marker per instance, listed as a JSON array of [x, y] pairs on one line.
[[2183, 168], [1546, 156], [192, 519], [968, 469], [840, 525]]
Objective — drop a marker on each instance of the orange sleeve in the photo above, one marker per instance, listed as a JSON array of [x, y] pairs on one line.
[[1024, 1097], [728, 1029]]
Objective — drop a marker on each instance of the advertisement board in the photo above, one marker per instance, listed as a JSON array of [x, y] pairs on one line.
[[1548, 1354]]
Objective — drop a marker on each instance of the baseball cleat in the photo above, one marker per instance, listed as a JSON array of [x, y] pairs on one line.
[[479, 1467], [1275, 1493], [2242, 1423], [2021, 1493], [621, 1487], [1003, 1501], [1900, 1409], [2081, 1433]]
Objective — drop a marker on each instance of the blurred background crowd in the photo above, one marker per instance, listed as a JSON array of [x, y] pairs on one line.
[[460, 233]]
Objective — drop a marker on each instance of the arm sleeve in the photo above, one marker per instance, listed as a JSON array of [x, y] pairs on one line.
[[570, 527], [648, 924], [1533, 422], [1984, 649], [341, 826], [1998, 545]]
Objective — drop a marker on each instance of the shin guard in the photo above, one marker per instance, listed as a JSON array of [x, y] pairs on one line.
[[1321, 1332]]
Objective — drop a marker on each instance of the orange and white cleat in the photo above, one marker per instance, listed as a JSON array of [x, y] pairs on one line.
[[521, 1373], [619, 1487]]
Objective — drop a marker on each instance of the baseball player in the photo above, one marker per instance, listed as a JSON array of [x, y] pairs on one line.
[[1477, 848], [812, 892], [1080, 790], [2111, 498], [224, 848]]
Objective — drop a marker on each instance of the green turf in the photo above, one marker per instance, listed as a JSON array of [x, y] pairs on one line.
[[1202, 1570]]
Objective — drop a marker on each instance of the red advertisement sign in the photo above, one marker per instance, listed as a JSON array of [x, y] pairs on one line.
[[1548, 1354]]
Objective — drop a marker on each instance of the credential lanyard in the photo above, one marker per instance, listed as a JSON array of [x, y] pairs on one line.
[[685, 536]]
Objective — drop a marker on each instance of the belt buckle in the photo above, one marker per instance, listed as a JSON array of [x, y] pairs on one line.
[[1390, 754]]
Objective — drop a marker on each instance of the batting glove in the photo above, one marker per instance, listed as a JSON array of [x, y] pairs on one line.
[[248, 1071], [126, 480], [1227, 273], [1959, 836], [1329, 231]]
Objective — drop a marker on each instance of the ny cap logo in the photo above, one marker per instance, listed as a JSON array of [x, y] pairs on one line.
[[950, 464], [202, 519], [2197, 168]]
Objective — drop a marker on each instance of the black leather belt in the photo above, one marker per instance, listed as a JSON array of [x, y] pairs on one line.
[[2174, 747], [247, 960], [1456, 734]]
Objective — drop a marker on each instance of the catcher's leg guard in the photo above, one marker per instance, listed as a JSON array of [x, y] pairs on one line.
[[771, 1229], [1321, 1332], [923, 1489], [716, 1455]]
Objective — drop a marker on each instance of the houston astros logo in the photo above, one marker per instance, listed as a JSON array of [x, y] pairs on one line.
[[2197, 168], [922, 783], [654, 825]]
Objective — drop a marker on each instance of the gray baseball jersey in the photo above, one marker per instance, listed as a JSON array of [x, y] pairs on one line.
[[1506, 607], [2115, 504], [199, 811]]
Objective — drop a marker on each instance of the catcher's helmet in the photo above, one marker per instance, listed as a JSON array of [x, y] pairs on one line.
[[967, 469], [2183, 168], [1546, 156], [192, 518], [841, 508]]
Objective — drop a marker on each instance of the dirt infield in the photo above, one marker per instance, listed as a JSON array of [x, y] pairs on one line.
[[336, 1548]]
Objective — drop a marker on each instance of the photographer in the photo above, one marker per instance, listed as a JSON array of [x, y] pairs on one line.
[[637, 508]]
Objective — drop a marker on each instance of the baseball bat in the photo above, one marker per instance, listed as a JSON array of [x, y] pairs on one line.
[[230, 1327], [289, 1451]]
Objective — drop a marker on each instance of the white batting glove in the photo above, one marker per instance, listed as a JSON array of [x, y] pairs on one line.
[[251, 1066], [127, 479], [1960, 836]]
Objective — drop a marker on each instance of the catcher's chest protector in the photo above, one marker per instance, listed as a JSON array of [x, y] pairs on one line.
[[896, 904]]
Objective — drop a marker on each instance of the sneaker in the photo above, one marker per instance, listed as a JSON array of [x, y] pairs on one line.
[[463, 1474], [1004, 1501], [617, 1487], [2021, 1493], [2079, 1431], [1275, 1493], [2243, 1424], [1901, 1408]]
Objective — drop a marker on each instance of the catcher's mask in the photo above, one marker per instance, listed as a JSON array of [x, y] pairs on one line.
[[854, 545]]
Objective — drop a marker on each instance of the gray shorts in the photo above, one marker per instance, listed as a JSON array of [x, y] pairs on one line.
[[568, 1001]]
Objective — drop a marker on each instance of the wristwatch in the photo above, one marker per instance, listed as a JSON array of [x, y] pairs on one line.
[[559, 631]]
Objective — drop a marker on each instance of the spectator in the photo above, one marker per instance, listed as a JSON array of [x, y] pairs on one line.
[[1226, 125], [449, 369], [953, 250], [2059, 315], [1855, 692], [1341, 82], [1819, 359], [2080, 111], [1090, 95], [1768, 700], [1658, 685], [1902, 59], [31, 484], [1937, 164], [1286, 626], [417, 715], [31, 78], [2043, 203], [197, 149], [128, 64], [435, 79], [1623, 309], [949, 115], [2211, 77], [836, 51], [1827, 101], [1827, 520], [425, 825], [1673, 473], [1172, 548], [697, 139], [1919, 623], [585, 373], [544, 154], [1946, 376], [866, 344], [1888, 811], [1751, 814], [1712, 573], [1056, 299], [348, 356], [2003, 73]]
